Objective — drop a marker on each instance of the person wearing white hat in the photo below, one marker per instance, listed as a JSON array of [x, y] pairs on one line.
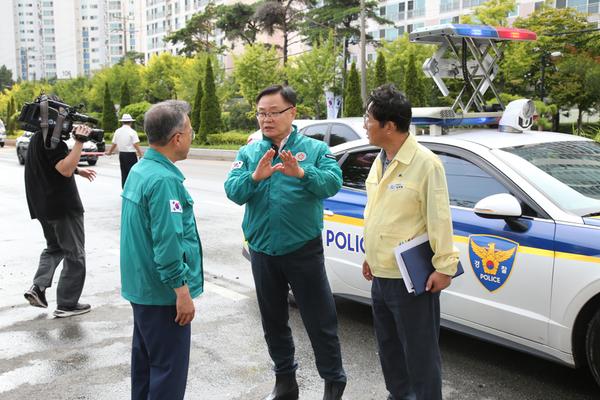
[[127, 141]]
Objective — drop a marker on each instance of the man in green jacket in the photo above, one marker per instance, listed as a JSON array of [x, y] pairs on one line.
[[161, 256], [283, 180]]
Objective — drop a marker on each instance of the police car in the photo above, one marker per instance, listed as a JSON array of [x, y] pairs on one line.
[[331, 131], [525, 207]]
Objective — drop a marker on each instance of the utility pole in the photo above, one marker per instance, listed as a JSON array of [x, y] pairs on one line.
[[363, 62]]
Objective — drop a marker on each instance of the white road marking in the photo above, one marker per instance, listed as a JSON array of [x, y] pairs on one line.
[[224, 292]]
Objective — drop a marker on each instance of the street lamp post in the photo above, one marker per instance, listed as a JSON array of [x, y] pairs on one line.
[[545, 58]]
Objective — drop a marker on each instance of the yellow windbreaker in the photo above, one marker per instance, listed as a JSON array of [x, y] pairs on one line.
[[410, 199]]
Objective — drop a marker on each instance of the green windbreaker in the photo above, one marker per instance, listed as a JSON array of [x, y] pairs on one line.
[[160, 246], [283, 212]]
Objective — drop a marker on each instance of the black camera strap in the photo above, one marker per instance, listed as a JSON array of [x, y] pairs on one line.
[[55, 139]]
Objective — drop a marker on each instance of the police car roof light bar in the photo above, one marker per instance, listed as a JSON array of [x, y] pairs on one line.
[[456, 43]]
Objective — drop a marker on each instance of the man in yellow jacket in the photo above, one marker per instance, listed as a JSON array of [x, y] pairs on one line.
[[407, 196]]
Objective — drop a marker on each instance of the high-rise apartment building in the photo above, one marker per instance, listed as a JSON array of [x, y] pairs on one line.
[[67, 38]]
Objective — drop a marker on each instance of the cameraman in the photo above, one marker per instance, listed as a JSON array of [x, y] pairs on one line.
[[54, 201]]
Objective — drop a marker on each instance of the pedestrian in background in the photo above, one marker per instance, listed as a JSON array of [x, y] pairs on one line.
[[161, 256], [407, 196], [283, 180], [127, 141]]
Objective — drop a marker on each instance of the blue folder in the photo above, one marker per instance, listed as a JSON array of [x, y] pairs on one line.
[[418, 264]]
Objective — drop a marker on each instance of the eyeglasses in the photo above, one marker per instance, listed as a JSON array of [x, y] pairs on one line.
[[272, 114]]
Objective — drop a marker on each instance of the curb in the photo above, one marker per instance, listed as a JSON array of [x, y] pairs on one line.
[[196, 154]]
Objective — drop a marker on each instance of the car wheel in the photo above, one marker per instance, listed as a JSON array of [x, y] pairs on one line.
[[20, 156], [92, 162], [1, 144], [592, 346]]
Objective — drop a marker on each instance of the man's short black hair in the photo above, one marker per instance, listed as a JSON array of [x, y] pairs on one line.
[[386, 103], [288, 94]]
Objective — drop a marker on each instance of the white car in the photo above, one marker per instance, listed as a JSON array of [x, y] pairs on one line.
[[534, 196], [89, 153], [331, 131]]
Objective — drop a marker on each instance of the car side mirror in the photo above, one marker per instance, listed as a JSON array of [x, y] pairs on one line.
[[502, 206]]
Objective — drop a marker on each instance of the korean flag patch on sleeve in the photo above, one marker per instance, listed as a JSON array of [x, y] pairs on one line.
[[237, 164], [175, 206]]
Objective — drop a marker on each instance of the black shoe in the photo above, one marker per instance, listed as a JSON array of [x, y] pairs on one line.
[[334, 390], [36, 297], [62, 311], [286, 388]]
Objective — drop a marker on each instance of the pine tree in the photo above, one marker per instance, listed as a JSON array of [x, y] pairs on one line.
[[412, 83], [353, 102], [125, 96], [210, 110], [197, 107], [380, 70], [10, 111], [109, 117]]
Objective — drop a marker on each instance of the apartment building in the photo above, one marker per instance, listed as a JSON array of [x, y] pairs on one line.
[[46, 39]]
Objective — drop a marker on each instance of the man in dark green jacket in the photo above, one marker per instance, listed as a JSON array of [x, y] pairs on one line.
[[161, 256], [283, 180]]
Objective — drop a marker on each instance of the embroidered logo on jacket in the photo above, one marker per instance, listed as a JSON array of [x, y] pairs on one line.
[[300, 156]]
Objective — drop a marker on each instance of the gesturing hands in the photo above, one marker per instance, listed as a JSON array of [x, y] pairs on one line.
[[264, 168], [289, 166]]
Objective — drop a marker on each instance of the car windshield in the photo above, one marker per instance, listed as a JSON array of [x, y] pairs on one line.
[[567, 172]]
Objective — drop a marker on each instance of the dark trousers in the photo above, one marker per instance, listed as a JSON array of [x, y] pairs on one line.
[[304, 272], [160, 354], [407, 328], [65, 241], [126, 160]]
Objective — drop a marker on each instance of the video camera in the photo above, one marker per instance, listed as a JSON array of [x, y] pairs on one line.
[[49, 115]]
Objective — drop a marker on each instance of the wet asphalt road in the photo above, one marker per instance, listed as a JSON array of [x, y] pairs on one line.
[[87, 357]]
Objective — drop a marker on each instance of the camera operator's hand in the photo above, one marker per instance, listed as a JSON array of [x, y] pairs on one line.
[[81, 132], [88, 174]]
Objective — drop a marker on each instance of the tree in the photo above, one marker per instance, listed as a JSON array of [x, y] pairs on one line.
[[125, 96], [492, 12], [313, 72], [196, 35], [210, 111], [380, 70], [283, 15], [11, 122], [197, 107], [132, 56], [521, 66], [342, 17], [352, 100], [6, 80], [109, 117], [238, 21], [412, 83], [579, 77], [73, 91], [397, 59], [160, 77], [255, 69]]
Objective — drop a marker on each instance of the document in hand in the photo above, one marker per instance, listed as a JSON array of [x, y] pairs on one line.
[[414, 261]]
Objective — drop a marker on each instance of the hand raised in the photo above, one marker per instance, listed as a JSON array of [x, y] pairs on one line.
[[290, 165], [264, 169], [89, 174]]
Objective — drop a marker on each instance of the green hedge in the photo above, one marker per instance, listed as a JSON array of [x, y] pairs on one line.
[[232, 137]]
